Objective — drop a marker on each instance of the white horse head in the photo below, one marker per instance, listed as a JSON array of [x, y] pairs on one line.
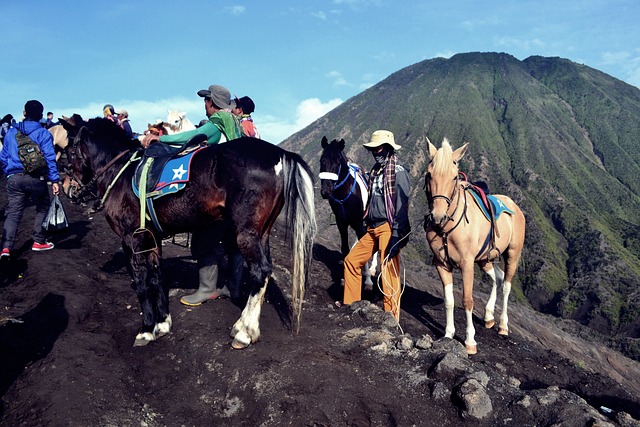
[[178, 122]]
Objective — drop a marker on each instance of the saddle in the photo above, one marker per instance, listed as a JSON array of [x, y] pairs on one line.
[[492, 207], [162, 171], [157, 155]]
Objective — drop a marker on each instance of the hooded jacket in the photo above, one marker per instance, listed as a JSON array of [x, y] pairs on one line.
[[9, 155]]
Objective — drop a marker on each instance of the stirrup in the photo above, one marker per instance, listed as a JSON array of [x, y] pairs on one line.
[[142, 231]]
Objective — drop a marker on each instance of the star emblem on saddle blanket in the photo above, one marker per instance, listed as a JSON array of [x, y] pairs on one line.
[[177, 173]]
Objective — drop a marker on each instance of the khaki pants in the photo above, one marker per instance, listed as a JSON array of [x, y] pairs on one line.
[[375, 239]]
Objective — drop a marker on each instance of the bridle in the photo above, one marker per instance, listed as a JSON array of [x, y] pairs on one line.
[[439, 229], [77, 189], [335, 177]]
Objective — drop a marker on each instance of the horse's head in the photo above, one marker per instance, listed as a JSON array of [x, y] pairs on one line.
[[91, 145], [332, 163], [78, 170], [441, 180]]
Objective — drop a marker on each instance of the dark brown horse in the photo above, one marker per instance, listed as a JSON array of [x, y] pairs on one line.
[[246, 181]]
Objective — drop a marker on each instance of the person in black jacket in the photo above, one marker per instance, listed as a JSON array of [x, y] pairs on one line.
[[387, 221]]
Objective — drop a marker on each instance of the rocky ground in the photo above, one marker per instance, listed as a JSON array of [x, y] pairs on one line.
[[69, 318]]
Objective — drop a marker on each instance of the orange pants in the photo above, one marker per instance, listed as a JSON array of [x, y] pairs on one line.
[[375, 239]]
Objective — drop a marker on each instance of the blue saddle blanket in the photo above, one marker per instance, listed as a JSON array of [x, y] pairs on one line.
[[497, 205], [174, 177]]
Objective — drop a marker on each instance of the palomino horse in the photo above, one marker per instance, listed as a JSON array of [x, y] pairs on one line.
[[246, 181], [339, 185], [460, 234]]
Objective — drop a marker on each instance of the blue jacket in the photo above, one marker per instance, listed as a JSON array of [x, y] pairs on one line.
[[9, 155]]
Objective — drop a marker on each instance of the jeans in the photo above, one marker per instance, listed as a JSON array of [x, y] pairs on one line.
[[20, 188]]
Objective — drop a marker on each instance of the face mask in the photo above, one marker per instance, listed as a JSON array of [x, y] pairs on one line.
[[381, 157]]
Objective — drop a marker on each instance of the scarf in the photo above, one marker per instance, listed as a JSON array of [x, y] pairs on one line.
[[388, 171]]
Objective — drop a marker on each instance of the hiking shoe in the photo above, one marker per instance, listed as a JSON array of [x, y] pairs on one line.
[[39, 247], [5, 253]]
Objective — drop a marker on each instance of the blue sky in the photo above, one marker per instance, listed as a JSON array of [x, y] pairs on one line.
[[296, 60]]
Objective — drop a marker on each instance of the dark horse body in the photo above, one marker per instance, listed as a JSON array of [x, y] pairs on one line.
[[246, 181], [339, 186]]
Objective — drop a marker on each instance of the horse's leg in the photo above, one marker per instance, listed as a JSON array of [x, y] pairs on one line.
[[511, 257], [139, 271], [246, 330], [163, 317], [497, 277], [447, 283], [467, 301]]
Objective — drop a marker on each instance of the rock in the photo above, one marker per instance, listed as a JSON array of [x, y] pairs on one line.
[[475, 400], [440, 391], [425, 342]]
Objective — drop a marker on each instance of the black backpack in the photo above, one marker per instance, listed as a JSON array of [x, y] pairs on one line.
[[30, 155]]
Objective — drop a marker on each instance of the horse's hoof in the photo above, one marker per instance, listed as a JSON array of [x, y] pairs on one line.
[[489, 324], [471, 349], [143, 339], [503, 331], [239, 345]]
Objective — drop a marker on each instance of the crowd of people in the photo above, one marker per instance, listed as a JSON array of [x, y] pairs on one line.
[[386, 215]]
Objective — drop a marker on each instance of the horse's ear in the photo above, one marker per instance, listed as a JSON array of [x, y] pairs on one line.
[[66, 124], [432, 150], [459, 153], [182, 115], [324, 142], [341, 143]]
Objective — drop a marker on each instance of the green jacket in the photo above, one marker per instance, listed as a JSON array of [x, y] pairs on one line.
[[220, 123]]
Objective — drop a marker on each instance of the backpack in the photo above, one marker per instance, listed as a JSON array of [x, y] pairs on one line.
[[29, 153]]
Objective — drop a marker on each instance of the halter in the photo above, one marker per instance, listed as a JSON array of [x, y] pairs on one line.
[[86, 188], [335, 177], [439, 229]]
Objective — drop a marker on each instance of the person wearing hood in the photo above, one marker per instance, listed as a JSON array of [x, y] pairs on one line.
[[387, 221], [22, 186]]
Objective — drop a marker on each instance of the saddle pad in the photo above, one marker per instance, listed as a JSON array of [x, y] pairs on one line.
[[173, 177], [496, 203], [356, 172]]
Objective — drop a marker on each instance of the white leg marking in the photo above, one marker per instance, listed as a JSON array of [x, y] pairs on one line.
[[144, 338], [470, 342], [491, 303], [163, 328], [449, 303], [504, 319], [247, 329]]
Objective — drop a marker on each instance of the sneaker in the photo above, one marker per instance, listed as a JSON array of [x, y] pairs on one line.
[[39, 247], [5, 253]]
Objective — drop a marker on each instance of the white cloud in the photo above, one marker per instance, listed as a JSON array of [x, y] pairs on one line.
[[276, 129], [627, 62], [140, 112], [513, 42], [236, 10], [338, 79], [320, 15], [271, 128]]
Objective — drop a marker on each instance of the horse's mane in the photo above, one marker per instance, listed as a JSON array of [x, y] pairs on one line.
[[110, 133], [442, 160]]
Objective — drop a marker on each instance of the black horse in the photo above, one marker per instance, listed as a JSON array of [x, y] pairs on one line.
[[245, 181], [339, 186]]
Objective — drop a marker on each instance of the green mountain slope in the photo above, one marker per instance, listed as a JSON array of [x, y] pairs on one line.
[[557, 137]]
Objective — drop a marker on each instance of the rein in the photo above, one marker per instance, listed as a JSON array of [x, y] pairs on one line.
[[84, 188], [440, 229]]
